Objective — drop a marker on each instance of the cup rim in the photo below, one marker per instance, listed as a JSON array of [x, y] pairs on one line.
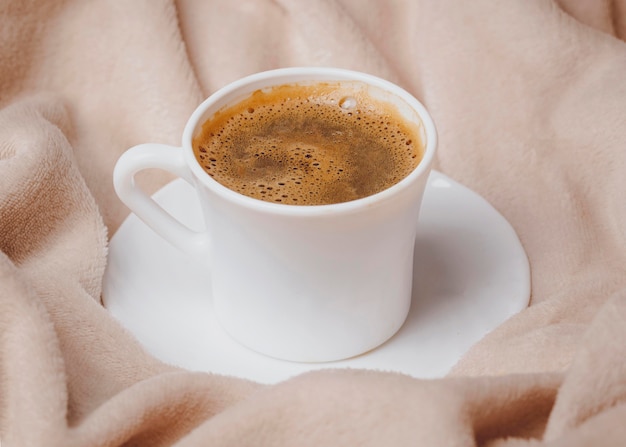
[[283, 76]]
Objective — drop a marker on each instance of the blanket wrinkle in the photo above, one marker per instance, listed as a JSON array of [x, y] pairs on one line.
[[429, 413], [602, 359], [607, 16], [182, 395], [530, 102], [42, 189], [35, 406], [316, 24], [208, 27]]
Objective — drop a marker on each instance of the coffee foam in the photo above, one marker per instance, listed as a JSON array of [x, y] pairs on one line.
[[309, 144]]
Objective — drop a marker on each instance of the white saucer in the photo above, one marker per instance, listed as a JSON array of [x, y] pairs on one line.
[[471, 274]]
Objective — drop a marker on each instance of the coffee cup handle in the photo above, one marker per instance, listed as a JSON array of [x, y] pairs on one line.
[[168, 158]]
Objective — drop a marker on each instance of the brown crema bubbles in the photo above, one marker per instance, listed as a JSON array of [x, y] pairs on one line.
[[309, 144]]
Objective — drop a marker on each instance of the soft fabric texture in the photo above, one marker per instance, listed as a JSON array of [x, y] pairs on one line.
[[529, 97]]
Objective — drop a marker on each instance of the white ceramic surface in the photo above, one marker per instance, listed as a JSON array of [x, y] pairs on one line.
[[470, 274], [297, 282]]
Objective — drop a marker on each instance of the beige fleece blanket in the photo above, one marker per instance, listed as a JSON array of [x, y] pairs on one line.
[[530, 101]]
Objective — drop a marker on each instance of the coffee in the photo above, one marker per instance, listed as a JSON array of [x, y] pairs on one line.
[[314, 144]]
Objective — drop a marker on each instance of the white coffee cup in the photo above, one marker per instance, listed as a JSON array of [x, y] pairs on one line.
[[303, 283]]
